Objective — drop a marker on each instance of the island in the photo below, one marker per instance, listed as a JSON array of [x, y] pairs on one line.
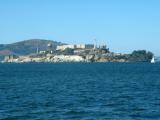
[[62, 52]]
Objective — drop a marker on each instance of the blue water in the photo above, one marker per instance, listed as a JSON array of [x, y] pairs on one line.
[[80, 91]]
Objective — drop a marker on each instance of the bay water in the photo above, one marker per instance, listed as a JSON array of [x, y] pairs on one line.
[[80, 91]]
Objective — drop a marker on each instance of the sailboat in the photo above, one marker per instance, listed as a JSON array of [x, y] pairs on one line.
[[153, 60]]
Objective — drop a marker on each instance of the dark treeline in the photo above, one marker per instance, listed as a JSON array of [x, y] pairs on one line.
[[141, 55]]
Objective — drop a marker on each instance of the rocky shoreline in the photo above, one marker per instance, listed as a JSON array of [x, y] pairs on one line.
[[108, 57], [80, 55]]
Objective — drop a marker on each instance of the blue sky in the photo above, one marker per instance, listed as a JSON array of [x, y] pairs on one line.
[[124, 25]]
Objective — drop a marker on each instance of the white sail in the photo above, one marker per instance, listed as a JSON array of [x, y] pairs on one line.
[[153, 60]]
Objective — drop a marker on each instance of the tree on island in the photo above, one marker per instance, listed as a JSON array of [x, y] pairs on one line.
[[68, 51], [141, 55]]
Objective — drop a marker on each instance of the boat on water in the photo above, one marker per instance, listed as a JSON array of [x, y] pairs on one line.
[[153, 60]]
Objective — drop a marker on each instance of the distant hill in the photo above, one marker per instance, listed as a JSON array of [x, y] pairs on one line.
[[27, 46]]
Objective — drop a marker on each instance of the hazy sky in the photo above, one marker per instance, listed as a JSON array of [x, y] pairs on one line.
[[124, 25]]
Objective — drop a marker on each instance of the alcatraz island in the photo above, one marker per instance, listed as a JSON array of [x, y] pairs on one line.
[[37, 50]]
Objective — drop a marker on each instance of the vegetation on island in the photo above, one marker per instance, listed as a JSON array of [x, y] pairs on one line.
[[141, 55], [68, 51]]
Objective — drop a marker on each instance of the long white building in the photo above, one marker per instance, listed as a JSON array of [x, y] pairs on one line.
[[63, 47], [78, 46]]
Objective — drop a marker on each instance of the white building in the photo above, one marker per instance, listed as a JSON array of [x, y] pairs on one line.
[[85, 46], [63, 47], [79, 46]]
